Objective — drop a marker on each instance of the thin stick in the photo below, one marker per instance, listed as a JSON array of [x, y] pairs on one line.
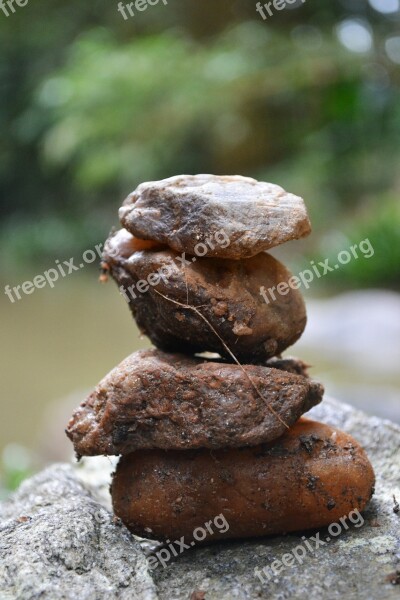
[[194, 309], [186, 283]]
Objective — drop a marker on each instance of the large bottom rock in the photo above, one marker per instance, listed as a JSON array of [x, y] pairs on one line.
[[57, 541]]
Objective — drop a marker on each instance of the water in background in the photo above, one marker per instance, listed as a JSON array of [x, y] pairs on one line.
[[56, 345]]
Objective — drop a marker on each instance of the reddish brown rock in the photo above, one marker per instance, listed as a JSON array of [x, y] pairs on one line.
[[187, 212], [310, 477], [158, 400], [225, 292]]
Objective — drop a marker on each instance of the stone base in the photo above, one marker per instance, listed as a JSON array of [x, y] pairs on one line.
[[58, 540]]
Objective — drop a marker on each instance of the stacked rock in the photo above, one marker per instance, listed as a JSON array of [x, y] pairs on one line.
[[205, 434]]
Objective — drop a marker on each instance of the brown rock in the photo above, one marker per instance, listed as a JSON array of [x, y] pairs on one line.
[[170, 401], [225, 292], [269, 489], [186, 212], [289, 364]]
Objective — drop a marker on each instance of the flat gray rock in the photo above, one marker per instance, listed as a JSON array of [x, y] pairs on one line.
[[58, 541], [224, 216]]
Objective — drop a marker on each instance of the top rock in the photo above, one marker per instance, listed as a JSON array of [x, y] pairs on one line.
[[188, 213]]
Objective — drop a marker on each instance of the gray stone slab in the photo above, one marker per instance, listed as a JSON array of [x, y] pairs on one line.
[[58, 542]]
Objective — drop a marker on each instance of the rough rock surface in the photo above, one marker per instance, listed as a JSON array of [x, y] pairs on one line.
[[171, 401], [187, 210], [225, 292], [57, 541], [310, 477], [358, 565]]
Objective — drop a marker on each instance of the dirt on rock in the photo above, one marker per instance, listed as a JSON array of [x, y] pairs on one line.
[[171, 401], [160, 287]]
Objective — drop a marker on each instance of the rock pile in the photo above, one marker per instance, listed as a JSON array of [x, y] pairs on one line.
[[218, 434]]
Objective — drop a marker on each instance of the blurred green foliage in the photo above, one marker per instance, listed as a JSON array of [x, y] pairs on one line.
[[93, 105], [16, 464], [381, 227]]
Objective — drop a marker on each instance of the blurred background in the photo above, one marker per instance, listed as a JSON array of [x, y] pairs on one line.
[[92, 104]]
